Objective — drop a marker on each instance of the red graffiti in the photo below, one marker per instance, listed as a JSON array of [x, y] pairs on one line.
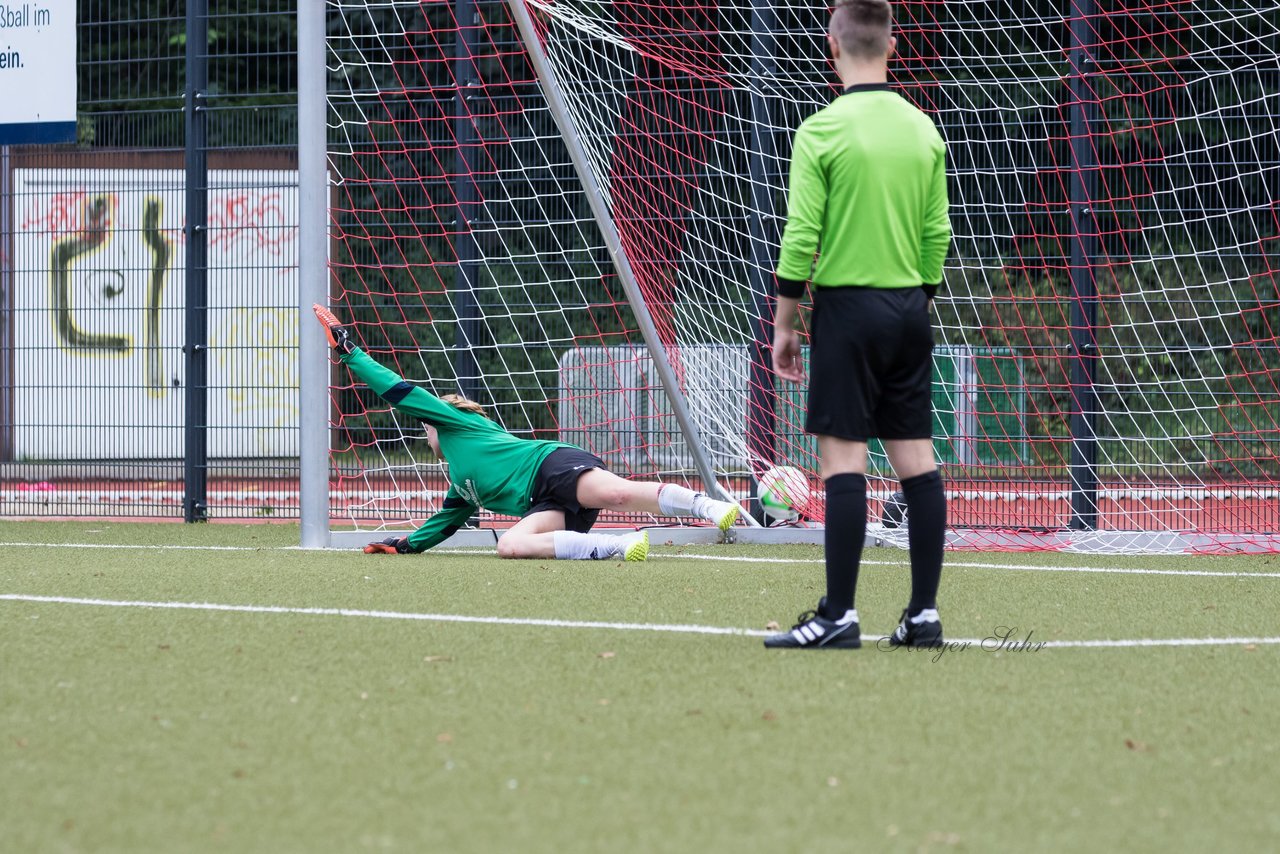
[[236, 219], [245, 217], [64, 213]]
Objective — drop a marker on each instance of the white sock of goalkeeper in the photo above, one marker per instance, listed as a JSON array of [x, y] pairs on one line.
[[678, 501], [570, 545]]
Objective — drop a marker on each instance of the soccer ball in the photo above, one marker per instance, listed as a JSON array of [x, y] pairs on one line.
[[895, 511], [783, 491]]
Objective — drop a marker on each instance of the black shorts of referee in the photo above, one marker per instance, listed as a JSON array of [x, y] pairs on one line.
[[555, 487], [870, 364]]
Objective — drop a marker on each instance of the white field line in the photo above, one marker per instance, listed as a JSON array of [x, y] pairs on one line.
[[164, 546], [1013, 567], [378, 615], [991, 643], [953, 564]]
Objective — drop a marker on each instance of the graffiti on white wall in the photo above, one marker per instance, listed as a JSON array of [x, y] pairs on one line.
[[99, 308]]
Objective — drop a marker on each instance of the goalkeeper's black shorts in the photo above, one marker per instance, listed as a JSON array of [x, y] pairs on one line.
[[555, 487], [870, 364]]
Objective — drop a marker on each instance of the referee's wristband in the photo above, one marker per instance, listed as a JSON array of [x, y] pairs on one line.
[[790, 288]]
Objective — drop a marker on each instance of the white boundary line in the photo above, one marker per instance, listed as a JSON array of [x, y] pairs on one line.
[[956, 564], [953, 564], [378, 615], [164, 546], [580, 624]]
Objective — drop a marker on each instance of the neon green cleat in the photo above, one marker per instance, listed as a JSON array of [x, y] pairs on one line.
[[634, 547], [724, 515]]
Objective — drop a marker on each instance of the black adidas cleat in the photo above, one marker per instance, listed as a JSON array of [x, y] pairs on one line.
[[924, 629], [813, 631]]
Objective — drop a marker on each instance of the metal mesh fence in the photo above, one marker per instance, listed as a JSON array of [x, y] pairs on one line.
[[96, 388]]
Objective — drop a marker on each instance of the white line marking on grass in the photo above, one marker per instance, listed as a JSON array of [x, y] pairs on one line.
[[152, 547], [1121, 570], [1104, 644], [951, 564], [581, 624], [1014, 567], [381, 615]]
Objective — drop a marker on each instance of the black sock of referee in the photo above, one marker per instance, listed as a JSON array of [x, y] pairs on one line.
[[926, 536], [846, 529]]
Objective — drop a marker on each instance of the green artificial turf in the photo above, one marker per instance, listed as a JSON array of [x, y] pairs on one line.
[[387, 727]]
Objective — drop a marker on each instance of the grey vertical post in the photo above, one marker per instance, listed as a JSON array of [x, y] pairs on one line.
[[761, 425], [313, 274], [559, 109], [468, 330], [1084, 252], [196, 346]]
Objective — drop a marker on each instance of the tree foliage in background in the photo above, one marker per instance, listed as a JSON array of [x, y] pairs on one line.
[[132, 73]]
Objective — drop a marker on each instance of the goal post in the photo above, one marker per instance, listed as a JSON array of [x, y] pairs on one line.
[[571, 210], [596, 197], [313, 282], [466, 256]]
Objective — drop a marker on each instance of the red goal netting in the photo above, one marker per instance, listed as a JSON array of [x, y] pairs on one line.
[[1108, 367]]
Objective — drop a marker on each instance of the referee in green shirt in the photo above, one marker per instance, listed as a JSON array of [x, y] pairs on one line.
[[868, 198]]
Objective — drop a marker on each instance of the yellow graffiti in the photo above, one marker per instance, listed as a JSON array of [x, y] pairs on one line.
[[67, 252], [160, 249], [254, 340]]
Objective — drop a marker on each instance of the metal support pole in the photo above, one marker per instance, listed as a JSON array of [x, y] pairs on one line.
[[1084, 253], [604, 219], [313, 274], [466, 309], [196, 346], [761, 393]]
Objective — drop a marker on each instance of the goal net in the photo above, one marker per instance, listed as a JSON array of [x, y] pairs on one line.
[[1108, 368]]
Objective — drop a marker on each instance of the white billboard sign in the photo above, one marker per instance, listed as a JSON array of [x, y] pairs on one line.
[[99, 314], [37, 72]]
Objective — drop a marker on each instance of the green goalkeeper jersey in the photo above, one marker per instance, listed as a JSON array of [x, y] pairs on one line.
[[488, 467], [867, 194]]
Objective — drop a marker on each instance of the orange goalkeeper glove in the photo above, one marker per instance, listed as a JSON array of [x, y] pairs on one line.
[[389, 546], [339, 336]]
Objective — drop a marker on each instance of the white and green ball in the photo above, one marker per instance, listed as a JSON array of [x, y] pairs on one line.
[[783, 491]]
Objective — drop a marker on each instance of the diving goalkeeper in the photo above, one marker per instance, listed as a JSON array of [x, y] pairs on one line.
[[555, 488]]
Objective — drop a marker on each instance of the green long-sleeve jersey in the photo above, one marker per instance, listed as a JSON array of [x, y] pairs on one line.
[[868, 191], [488, 467]]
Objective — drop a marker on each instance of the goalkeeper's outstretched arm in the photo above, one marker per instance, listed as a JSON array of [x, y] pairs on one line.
[[386, 383], [440, 527], [413, 401]]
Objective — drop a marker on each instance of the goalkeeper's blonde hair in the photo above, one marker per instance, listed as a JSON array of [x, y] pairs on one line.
[[457, 401]]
